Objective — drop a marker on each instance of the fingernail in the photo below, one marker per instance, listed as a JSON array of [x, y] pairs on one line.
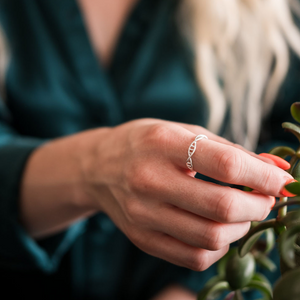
[[279, 162], [285, 192]]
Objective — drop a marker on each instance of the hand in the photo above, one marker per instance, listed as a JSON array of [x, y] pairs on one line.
[[137, 175], [175, 292]]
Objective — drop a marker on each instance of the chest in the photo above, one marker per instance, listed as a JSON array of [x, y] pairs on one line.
[[104, 20], [56, 85]]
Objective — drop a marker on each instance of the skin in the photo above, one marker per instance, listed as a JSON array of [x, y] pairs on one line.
[[104, 22], [136, 174], [138, 177]]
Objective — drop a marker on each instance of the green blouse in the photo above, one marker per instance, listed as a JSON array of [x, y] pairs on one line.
[[56, 86]]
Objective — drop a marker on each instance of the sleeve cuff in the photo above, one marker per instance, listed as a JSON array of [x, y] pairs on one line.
[[17, 249]]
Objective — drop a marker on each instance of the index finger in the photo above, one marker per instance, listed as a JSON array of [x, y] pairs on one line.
[[229, 164], [232, 165], [264, 157]]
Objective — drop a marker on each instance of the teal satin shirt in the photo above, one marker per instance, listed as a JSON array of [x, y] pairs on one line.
[[56, 86]]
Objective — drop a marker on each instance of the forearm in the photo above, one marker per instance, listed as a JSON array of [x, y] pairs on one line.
[[53, 193]]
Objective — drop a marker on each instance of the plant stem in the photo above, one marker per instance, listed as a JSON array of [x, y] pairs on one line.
[[283, 210]]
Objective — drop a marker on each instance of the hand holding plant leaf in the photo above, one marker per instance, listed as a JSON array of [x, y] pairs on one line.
[[236, 271]]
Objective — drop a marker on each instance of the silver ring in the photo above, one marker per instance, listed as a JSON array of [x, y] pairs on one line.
[[192, 149]]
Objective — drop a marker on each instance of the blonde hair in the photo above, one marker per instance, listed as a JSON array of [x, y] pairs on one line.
[[4, 58], [241, 58]]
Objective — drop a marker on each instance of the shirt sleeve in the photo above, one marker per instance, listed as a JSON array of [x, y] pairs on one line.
[[18, 251]]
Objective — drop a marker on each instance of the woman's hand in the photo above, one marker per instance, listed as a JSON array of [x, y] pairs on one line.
[[175, 292], [136, 173]]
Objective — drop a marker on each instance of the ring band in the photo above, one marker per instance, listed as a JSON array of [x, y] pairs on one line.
[[192, 149]]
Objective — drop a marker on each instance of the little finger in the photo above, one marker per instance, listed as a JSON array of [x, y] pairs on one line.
[[197, 231], [176, 252]]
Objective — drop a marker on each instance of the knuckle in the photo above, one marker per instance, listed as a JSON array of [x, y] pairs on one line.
[[216, 238], [198, 261], [139, 177], [229, 164], [159, 135], [226, 208], [135, 213]]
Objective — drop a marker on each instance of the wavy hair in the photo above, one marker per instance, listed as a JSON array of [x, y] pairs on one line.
[[4, 58], [241, 58]]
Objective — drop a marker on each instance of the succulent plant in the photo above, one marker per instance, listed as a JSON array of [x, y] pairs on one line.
[[236, 270]]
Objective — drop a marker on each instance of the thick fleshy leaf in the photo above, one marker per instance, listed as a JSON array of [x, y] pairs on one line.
[[295, 111], [240, 270], [210, 291], [253, 235], [296, 171], [221, 266], [262, 278], [293, 128], [293, 188], [291, 217], [270, 240], [282, 151], [213, 280], [263, 287], [288, 287], [265, 261], [247, 189], [287, 245]]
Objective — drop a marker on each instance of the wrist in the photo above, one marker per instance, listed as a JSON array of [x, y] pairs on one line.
[[93, 157]]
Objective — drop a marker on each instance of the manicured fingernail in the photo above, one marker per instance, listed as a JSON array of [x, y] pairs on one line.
[[285, 192], [279, 162]]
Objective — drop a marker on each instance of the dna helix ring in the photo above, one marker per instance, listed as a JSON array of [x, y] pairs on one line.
[[192, 149]]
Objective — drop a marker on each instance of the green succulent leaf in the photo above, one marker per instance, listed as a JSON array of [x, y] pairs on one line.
[[262, 278], [282, 151], [293, 188], [253, 235], [296, 171], [265, 261], [293, 128], [212, 281], [247, 189], [295, 111], [291, 217], [270, 240], [287, 245], [240, 270], [221, 267], [210, 291], [264, 287], [288, 287]]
